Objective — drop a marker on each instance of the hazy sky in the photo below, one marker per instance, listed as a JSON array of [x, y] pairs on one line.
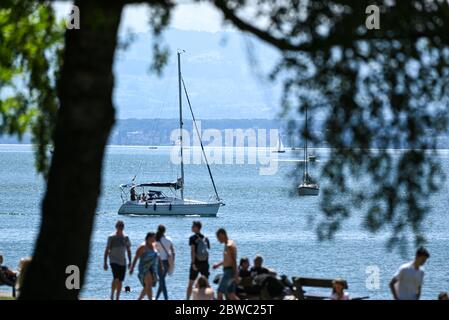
[[187, 16], [221, 81]]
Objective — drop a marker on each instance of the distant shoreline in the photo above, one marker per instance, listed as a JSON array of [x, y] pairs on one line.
[[170, 146]]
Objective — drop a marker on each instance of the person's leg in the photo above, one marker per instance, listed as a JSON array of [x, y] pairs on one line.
[[189, 289], [161, 286], [114, 279], [222, 285], [193, 274], [121, 278], [149, 285], [164, 276], [232, 288], [118, 289], [113, 286], [142, 294]]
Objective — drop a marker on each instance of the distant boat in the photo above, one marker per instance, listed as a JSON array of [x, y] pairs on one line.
[[280, 146], [152, 147], [312, 157], [308, 187], [143, 199]]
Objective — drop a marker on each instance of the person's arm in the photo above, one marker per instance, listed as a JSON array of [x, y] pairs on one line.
[[161, 265], [217, 265], [172, 248], [234, 261], [393, 289], [106, 254], [128, 250], [136, 256], [193, 256]]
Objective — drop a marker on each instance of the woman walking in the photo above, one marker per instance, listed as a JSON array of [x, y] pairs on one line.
[[167, 254], [148, 265]]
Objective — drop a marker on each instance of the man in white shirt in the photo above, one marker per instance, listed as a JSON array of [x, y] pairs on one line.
[[407, 282]]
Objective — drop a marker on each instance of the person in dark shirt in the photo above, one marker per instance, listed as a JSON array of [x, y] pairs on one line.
[[133, 194], [7, 276], [199, 246], [244, 275], [244, 268], [258, 268]]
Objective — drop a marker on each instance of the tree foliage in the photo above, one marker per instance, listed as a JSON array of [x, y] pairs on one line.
[[30, 47], [377, 89]]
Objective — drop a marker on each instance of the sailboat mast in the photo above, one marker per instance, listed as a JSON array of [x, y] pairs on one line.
[[279, 142], [180, 124], [305, 150]]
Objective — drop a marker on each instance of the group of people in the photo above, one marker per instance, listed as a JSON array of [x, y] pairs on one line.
[[155, 259], [155, 256], [149, 196]]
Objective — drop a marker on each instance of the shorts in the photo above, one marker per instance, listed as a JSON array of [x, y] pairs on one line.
[[118, 271], [201, 267], [227, 283]]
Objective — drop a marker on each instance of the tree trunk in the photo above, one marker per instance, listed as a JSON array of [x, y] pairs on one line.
[[84, 122]]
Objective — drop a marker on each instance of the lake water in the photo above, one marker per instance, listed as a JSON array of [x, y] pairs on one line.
[[259, 214]]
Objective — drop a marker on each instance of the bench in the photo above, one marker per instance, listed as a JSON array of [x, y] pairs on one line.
[[4, 282], [299, 283], [13, 288]]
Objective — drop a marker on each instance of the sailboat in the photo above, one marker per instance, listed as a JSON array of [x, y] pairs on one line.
[[146, 199], [280, 146], [308, 187]]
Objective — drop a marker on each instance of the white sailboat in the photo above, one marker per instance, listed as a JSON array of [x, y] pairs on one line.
[[144, 199], [279, 146], [308, 187]]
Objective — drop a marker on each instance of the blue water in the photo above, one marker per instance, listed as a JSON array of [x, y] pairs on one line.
[[259, 214]]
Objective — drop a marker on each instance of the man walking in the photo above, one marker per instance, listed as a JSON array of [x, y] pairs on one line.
[[199, 253], [407, 282], [228, 282], [117, 246]]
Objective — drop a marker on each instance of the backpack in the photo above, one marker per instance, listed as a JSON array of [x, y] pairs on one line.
[[202, 250]]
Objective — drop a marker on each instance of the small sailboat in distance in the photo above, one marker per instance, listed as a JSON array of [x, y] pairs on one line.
[[308, 187], [279, 146]]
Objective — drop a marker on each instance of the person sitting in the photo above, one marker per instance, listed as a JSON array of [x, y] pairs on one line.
[[338, 290], [143, 197], [258, 267], [245, 280], [202, 290], [7, 276], [443, 296], [133, 194], [23, 266]]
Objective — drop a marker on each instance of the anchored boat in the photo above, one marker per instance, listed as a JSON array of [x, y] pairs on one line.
[[146, 199], [308, 187]]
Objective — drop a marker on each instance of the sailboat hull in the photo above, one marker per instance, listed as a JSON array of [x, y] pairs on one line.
[[187, 208], [308, 190]]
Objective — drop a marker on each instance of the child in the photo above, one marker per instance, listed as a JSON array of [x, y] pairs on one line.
[[338, 287]]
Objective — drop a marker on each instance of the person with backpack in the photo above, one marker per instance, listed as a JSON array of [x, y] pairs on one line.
[[199, 252]]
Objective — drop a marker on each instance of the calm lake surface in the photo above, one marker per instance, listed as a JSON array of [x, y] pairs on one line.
[[259, 214]]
